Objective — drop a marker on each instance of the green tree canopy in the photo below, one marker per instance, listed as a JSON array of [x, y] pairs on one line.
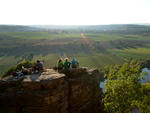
[[123, 88]]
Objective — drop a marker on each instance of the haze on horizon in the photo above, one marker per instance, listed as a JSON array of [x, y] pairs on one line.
[[74, 12]]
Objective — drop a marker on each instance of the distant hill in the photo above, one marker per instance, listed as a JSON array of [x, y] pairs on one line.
[[83, 28], [114, 27], [17, 28]]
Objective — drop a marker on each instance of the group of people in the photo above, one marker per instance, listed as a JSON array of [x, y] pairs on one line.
[[61, 65], [66, 64], [38, 67]]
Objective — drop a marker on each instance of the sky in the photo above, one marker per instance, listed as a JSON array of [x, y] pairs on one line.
[[74, 12]]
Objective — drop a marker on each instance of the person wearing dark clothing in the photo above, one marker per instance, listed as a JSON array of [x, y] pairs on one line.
[[38, 66]]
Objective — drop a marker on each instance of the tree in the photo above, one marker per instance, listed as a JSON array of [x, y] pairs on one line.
[[123, 88], [144, 105]]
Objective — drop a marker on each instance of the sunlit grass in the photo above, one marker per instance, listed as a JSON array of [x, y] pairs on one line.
[[139, 53], [103, 37], [137, 37], [42, 35]]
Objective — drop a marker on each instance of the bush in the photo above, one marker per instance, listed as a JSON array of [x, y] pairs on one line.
[[18, 67]]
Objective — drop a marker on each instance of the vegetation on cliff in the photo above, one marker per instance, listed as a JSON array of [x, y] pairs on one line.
[[18, 67]]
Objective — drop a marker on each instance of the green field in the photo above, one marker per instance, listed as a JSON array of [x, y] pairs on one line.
[[41, 35], [93, 48], [104, 37], [137, 53]]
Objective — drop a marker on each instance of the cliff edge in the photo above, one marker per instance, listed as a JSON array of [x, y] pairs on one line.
[[77, 91]]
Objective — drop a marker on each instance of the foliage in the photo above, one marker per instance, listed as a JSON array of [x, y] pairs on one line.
[[25, 64], [123, 88], [146, 63], [144, 105]]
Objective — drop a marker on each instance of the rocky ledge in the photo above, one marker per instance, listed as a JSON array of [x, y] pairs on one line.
[[77, 91]]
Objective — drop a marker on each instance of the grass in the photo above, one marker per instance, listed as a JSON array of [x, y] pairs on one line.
[[138, 53], [103, 37], [42, 35], [139, 50], [99, 60], [25, 42], [86, 60], [94, 60], [137, 37], [112, 37], [7, 62], [93, 36]]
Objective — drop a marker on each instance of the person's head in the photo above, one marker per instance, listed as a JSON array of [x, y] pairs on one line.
[[66, 59], [38, 61], [60, 60]]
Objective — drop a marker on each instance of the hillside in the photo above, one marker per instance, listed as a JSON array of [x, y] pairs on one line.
[[120, 27], [93, 46], [17, 28]]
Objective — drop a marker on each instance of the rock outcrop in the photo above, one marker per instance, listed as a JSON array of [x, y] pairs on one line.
[[76, 91]]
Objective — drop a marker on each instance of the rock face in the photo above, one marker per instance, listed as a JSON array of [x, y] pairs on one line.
[[76, 91]]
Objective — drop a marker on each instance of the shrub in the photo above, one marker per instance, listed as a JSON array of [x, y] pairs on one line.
[[18, 67]]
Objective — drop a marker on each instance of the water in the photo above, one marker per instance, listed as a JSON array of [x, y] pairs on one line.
[[145, 80], [102, 85], [146, 77]]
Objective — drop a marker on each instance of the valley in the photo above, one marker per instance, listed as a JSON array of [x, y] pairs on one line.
[[93, 46]]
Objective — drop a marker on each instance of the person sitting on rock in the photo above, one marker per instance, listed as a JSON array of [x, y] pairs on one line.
[[67, 64], [74, 63], [60, 65], [38, 66]]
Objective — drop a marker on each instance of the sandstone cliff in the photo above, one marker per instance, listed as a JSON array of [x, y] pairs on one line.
[[50, 92]]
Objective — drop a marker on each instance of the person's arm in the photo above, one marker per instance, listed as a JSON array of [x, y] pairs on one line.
[[62, 64], [69, 64]]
